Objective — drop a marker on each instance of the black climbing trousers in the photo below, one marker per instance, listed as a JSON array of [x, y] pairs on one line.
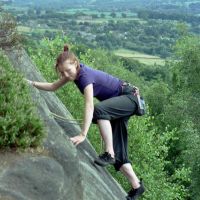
[[118, 110]]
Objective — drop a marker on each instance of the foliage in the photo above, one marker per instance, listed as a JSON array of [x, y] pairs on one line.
[[186, 82], [168, 16], [148, 150], [20, 125], [177, 108], [187, 70], [157, 97]]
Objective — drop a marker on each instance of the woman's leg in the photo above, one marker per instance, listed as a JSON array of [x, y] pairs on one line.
[[106, 133], [127, 170], [137, 186], [112, 115]]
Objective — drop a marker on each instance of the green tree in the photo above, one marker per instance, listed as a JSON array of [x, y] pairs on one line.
[[94, 16], [38, 11], [102, 15], [158, 97], [183, 110], [113, 14], [31, 12], [124, 15]]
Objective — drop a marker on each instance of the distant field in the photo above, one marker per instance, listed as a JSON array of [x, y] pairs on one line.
[[83, 10], [141, 57], [130, 15], [17, 8], [104, 20], [90, 12], [25, 29]]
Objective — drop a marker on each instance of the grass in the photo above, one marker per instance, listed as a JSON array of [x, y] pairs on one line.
[[141, 57]]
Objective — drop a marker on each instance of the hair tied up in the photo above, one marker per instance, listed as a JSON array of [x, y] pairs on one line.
[[66, 48]]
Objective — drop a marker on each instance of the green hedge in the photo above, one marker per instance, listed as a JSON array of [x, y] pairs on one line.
[[19, 124]]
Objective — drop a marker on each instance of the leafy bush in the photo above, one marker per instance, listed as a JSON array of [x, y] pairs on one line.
[[183, 110], [19, 124]]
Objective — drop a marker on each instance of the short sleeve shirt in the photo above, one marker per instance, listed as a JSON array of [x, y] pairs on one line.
[[105, 86]]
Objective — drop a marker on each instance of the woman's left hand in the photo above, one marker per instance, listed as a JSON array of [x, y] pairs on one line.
[[77, 139]]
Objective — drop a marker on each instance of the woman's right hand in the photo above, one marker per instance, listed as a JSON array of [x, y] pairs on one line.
[[77, 139], [28, 81], [47, 86]]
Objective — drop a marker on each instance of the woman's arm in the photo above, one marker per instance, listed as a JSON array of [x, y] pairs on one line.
[[88, 115], [49, 86], [89, 109]]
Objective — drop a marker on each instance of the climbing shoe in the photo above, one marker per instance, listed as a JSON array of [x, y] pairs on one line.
[[133, 194], [104, 159]]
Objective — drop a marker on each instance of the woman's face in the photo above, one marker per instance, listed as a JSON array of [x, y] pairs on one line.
[[69, 70]]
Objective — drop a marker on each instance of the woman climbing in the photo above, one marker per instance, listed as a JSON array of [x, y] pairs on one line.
[[117, 102]]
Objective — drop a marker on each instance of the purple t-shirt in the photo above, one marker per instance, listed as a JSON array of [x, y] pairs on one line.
[[105, 86]]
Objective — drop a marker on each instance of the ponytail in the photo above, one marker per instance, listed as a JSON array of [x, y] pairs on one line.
[[66, 48]]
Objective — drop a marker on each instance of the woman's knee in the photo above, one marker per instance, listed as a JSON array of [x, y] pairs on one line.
[[100, 113], [97, 110], [97, 107], [119, 164]]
